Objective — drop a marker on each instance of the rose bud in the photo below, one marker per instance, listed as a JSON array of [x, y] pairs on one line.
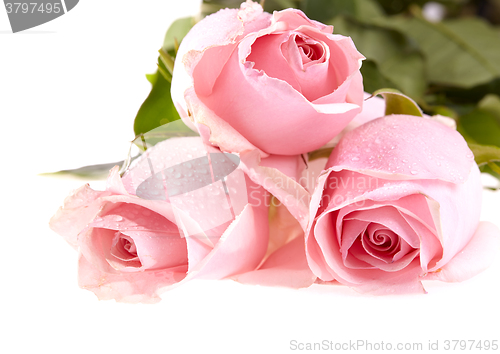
[[142, 235], [399, 202], [281, 83]]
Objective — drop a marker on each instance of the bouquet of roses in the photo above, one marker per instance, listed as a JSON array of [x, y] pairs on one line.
[[281, 171]]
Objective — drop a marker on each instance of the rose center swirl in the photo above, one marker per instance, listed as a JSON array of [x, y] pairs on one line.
[[380, 243], [124, 247], [309, 50]]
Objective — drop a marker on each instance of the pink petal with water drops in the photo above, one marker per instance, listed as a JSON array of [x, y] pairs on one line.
[[207, 34], [404, 147]]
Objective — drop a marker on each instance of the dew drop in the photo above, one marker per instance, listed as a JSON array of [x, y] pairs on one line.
[[413, 172]]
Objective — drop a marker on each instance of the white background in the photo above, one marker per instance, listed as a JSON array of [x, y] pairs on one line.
[[69, 91]]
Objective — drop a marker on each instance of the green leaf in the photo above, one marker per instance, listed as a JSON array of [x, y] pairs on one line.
[[278, 5], [485, 154], [168, 62], [406, 70], [373, 78], [325, 10], [151, 78], [158, 108], [491, 104], [482, 125], [396, 60], [96, 172], [462, 52], [320, 153], [397, 103], [176, 32]]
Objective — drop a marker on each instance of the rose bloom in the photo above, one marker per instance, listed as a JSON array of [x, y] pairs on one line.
[[131, 247], [281, 83], [399, 202]]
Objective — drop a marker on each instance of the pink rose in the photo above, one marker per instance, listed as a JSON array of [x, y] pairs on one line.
[[135, 240], [281, 83], [399, 202]]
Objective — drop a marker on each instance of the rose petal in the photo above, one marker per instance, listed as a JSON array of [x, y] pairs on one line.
[[209, 33], [240, 249], [285, 267], [350, 231], [215, 130], [269, 97], [77, 211], [284, 188], [268, 57], [374, 281], [404, 147], [475, 257], [283, 227], [142, 287]]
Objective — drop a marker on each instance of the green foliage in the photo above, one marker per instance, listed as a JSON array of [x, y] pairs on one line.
[[397, 103], [176, 32], [397, 61], [482, 125], [158, 108], [485, 154], [460, 53], [91, 172]]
